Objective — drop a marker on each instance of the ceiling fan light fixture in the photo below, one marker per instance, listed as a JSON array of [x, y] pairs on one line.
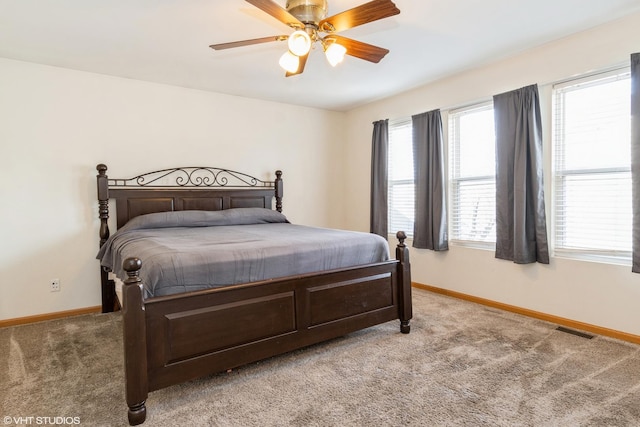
[[308, 20], [299, 43], [289, 62], [335, 53], [308, 11]]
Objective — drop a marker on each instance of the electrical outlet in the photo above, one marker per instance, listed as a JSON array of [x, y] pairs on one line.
[[55, 285]]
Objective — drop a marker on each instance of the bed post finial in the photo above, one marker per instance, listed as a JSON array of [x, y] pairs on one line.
[[402, 236], [404, 283], [132, 266], [279, 188], [135, 342]]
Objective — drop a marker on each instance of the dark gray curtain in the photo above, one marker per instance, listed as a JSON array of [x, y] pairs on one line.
[[379, 174], [635, 157], [521, 231], [430, 225]]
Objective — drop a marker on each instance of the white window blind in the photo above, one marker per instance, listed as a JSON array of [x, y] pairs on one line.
[[401, 189], [592, 166], [472, 179]]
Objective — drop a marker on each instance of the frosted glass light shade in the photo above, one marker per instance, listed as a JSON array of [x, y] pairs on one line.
[[289, 62], [335, 53], [299, 43]]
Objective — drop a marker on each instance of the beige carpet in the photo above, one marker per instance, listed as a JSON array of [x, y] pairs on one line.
[[462, 365]]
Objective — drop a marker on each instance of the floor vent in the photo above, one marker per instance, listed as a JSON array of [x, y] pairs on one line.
[[574, 332]]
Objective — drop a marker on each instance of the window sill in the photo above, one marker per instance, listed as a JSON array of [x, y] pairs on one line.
[[487, 246], [591, 257]]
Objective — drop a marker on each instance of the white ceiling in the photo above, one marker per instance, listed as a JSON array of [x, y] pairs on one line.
[[166, 41]]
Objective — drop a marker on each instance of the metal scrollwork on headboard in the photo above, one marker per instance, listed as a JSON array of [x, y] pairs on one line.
[[196, 176]]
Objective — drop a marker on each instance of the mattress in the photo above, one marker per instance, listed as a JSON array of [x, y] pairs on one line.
[[194, 250]]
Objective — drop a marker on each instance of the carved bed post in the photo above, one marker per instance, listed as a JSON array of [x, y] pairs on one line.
[[279, 188], [404, 284], [135, 343], [108, 286]]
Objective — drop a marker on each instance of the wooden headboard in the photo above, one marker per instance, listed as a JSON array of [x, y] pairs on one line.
[[176, 189]]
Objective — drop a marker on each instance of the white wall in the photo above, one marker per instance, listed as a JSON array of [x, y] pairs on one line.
[[599, 294], [57, 124]]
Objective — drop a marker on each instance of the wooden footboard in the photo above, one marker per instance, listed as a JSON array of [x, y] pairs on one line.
[[169, 340]]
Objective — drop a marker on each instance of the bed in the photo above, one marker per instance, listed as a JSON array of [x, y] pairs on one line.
[[181, 331]]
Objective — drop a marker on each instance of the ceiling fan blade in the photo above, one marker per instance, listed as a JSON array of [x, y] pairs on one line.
[[363, 14], [240, 43], [277, 12], [303, 62], [361, 50]]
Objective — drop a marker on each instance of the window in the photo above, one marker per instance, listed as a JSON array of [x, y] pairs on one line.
[[401, 188], [472, 181], [592, 166]]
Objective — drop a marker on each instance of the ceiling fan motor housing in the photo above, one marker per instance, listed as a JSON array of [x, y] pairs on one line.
[[308, 11]]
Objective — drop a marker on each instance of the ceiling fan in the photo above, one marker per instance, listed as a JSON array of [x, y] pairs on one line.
[[309, 21]]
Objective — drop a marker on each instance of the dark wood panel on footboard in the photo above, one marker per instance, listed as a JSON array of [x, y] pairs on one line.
[[172, 339], [220, 329]]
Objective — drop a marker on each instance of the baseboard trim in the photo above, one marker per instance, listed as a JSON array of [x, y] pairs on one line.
[[594, 329], [49, 316], [598, 330]]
